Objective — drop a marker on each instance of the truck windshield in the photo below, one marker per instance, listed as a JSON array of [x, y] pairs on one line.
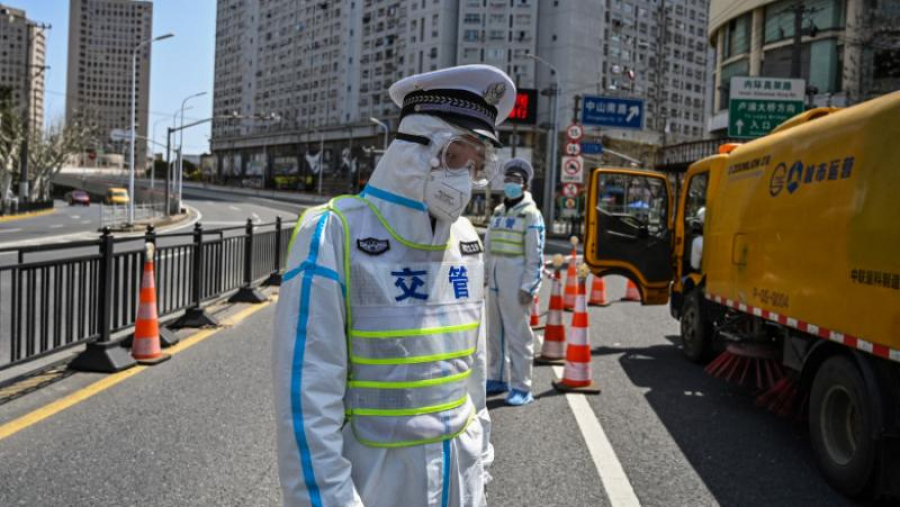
[[640, 198]]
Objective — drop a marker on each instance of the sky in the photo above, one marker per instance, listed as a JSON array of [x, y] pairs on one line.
[[181, 66]]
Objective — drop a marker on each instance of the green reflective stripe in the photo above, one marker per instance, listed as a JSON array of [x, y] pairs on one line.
[[499, 236], [410, 443], [411, 360], [399, 412], [384, 223], [400, 333], [507, 254], [414, 384], [506, 247], [506, 241]]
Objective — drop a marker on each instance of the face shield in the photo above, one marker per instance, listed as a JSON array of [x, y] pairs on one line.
[[471, 154]]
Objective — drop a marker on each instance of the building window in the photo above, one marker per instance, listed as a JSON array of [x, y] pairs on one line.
[[737, 36], [494, 53], [471, 36], [779, 18], [820, 64], [738, 68], [472, 19]]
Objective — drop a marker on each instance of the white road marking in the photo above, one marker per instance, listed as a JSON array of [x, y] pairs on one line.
[[235, 208], [75, 217], [612, 475], [4, 231], [85, 221], [56, 226]]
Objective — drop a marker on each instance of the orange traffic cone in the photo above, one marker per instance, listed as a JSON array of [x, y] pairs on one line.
[[631, 292], [571, 278], [598, 292], [535, 322], [145, 347], [577, 371], [554, 347]]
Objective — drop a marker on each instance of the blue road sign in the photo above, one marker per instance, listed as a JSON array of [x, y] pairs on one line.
[[613, 112], [591, 148]]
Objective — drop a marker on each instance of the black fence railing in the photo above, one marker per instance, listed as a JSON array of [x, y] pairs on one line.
[[53, 297]]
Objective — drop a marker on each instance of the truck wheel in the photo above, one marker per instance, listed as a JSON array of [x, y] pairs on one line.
[[840, 422], [696, 331]]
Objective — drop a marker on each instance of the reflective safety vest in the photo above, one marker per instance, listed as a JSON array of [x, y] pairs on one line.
[[413, 314], [507, 231]]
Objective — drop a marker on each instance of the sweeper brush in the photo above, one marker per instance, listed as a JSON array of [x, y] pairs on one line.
[[751, 365]]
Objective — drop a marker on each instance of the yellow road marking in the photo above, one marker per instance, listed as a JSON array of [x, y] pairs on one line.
[[53, 408], [32, 214]]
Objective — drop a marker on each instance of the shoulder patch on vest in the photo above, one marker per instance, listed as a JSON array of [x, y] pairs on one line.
[[470, 247], [373, 246]]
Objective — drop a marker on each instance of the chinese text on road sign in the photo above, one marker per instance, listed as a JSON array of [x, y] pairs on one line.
[[613, 112], [759, 104]]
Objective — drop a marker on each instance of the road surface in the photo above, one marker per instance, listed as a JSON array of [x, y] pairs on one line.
[[198, 430]]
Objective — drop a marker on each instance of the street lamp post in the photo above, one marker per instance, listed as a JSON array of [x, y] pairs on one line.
[[132, 127], [550, 176], [385, 127], [153, 169], [180, 174]]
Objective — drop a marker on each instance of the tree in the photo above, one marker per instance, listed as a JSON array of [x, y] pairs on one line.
[[11, 136], [49, 151]]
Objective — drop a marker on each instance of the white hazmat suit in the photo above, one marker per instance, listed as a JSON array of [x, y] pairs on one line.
[[514, 248], [379, 359]]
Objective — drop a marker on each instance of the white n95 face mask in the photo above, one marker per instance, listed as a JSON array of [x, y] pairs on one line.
[[447, 192]]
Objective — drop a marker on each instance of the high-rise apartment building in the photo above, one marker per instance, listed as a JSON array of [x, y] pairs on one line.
[[658, 50], [103, 35], [22, 56], [322, 63], [324, 67], [500, 33]]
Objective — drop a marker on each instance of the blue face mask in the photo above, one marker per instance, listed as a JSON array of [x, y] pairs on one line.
[[512, 190]]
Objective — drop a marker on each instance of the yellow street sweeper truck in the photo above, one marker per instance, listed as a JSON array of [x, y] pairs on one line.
[[794, 288]]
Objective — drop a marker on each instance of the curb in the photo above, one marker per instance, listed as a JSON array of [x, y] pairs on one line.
[[31, 214]]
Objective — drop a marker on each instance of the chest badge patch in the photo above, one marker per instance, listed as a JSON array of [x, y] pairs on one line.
[[373, 246], [470, 247]]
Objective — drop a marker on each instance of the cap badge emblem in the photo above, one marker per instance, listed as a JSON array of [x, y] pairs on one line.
[[494, 93]]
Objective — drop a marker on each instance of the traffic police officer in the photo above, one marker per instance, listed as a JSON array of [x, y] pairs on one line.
[[515, 249], [379, 360]]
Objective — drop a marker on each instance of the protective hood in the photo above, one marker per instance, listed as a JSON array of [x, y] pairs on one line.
[[397, 186]]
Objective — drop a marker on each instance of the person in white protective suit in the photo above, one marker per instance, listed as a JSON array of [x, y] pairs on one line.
[[697, 242], [379, 346], [514, 251]]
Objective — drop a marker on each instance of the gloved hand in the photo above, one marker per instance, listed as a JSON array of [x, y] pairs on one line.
[[525, 298]]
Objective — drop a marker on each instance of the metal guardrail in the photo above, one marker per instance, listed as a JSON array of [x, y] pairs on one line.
[[116, 215], [87, 291]]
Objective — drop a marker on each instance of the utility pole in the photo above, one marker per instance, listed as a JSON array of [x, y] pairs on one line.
[[169, 131], [576, 105], [797, 47], [661, 119], [515, 132]]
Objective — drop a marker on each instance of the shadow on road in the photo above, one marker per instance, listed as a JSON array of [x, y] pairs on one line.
[[744, 455]]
